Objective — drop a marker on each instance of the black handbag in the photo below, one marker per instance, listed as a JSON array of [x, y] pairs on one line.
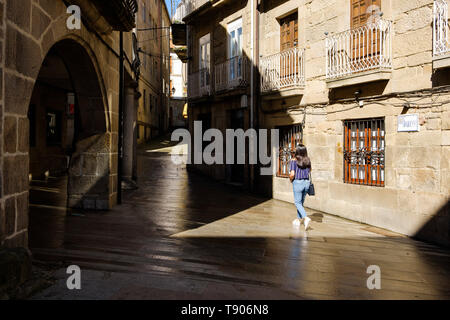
[[311, 190]]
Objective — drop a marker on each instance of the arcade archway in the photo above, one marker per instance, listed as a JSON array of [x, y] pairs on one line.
[[70, 147]]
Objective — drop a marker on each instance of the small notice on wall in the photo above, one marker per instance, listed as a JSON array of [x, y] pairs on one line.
[[408, 123]]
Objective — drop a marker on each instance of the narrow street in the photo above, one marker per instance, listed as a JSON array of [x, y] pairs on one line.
[[184, 236]]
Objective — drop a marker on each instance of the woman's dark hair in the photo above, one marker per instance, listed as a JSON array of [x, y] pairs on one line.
[[301, 154]]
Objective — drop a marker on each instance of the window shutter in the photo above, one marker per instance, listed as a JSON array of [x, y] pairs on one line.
[[289, 32], [359, 14], [361, 46]]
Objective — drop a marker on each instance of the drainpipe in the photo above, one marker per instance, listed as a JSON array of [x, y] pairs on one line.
[[253, 60], [252, 85]]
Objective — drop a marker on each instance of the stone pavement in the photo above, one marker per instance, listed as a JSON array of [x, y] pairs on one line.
[[183, 236]]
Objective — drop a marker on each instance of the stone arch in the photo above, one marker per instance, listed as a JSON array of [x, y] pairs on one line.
[[82, 134], [80, 42]]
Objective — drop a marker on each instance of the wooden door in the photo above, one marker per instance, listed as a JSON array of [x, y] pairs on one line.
[[365, 45], [288, 40], [289, 32]]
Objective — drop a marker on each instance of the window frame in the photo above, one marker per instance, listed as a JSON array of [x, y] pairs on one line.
[[367, 153], [204, 41], [234, 26], [289, 137]]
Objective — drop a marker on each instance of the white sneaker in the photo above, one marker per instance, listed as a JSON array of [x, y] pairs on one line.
[[307, 221], [296, 223]]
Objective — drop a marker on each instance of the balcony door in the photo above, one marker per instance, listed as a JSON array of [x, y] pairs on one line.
[[205, 61], [235, 49], [289, 64], [289, 32], [366, 42]]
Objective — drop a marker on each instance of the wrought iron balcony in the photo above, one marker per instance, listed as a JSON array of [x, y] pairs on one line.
[[231, 74], [120, 14], [441, 39], [360, 49], [283, 70], [199, 84]]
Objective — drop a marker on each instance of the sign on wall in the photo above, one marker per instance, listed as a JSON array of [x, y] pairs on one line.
[[408, 123]]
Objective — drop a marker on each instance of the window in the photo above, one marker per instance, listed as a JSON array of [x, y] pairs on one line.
[[235, 38], [151, 64], [144, 13], [150, 101], [235, 48], [145, 97], [144, 58], [290, 137], [369, 43], [289, 32], [204, 61], [364, 148], [288, 40]]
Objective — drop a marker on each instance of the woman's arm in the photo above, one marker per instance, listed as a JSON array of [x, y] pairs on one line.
[[292, 175], [292, 171]]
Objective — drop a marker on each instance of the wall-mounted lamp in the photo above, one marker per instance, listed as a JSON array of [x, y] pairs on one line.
[[357, 95]]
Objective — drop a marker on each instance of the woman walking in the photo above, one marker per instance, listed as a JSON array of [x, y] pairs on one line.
[[299, 175]]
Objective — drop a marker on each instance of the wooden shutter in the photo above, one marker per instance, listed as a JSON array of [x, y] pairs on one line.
[[363, 46], [289, 32], [288, 40]]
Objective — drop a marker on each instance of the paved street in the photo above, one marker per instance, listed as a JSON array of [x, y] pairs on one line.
[[183, 236]]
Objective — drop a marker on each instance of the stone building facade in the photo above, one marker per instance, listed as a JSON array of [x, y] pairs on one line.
[[59, 104], [219, 71], [346, 77], [152, 112]]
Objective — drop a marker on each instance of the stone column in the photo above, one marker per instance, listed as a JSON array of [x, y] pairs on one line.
[[128, 138]]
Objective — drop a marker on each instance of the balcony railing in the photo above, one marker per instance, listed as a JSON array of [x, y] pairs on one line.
[[360, 49], [231, 74], [441, 40], [199, 84], [120, 14], [283, 70]]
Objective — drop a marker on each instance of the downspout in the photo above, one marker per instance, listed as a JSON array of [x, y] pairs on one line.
[[252, 89], [252, 86]]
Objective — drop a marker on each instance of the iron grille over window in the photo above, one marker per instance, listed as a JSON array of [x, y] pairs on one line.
[[290, 137], [364, 143]]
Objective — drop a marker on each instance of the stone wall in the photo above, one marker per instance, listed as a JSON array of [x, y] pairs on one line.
[[153, 69], [415, 198], [29, 28]]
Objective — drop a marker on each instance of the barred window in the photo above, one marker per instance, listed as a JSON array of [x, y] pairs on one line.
[[290, 137], [364, 144]]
